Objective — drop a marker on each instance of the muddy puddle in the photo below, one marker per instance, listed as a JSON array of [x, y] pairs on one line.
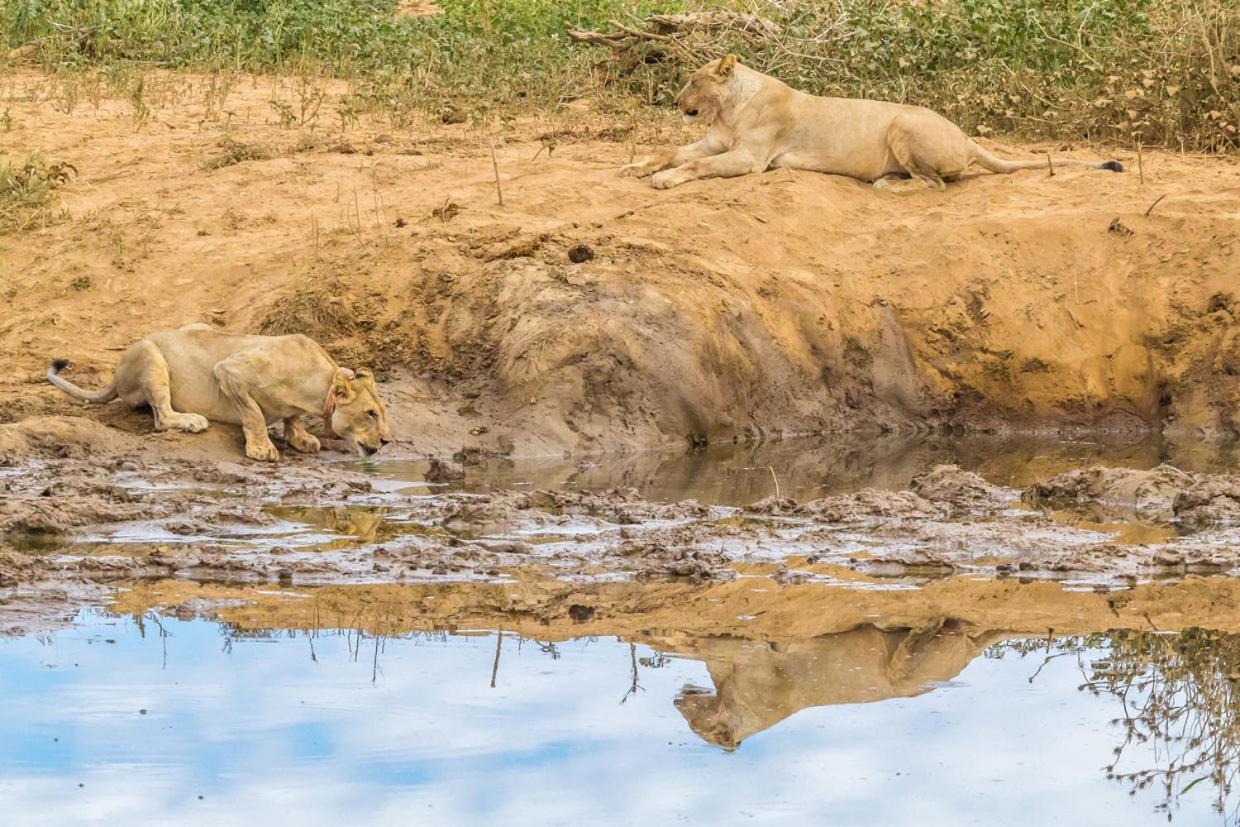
[[963, 702], [1100, 513], [805, 468]]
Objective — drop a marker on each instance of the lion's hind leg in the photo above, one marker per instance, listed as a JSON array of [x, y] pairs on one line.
[[890, 180], [142, 377], [930, 150], [236, 375]]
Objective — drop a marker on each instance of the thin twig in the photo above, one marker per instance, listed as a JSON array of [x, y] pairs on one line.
[[499, 641], [1155, 204], [499, 192]]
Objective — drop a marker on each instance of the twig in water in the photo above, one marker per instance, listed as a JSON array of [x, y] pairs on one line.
[[499, 641], [1155, 204], [633, 687], [1049, 658], [499, 192], [771, 468]]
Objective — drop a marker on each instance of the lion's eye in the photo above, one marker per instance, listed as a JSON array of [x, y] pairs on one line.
[[373, 414]]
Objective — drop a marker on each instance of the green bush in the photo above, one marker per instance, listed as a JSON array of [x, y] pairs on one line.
[[28, 191], [1157, 71]]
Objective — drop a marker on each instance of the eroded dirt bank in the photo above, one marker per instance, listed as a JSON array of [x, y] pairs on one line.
[[784, 302]]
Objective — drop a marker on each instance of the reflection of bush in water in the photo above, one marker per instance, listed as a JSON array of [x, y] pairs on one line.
[[1178, 694]]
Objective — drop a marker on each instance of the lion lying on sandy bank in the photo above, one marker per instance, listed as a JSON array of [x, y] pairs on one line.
[[195, 374], [759, 123]]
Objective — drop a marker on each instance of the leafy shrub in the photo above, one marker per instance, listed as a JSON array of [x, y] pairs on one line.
[[1156, 71]]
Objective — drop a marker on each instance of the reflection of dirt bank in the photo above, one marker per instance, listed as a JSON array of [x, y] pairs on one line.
[[771, 651], [783, 302], [674, 614]]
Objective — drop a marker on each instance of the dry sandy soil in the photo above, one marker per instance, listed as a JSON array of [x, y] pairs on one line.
[[778, 303]]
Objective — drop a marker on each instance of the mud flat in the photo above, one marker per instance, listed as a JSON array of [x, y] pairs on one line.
[[76, 518]]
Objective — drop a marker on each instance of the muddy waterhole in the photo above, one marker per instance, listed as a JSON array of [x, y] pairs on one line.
[[789, 691]]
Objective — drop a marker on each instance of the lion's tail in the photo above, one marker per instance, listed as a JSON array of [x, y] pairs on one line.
[[105, 394], [996, 164]]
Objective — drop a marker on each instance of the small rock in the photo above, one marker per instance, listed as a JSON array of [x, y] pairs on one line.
[[580, 253]]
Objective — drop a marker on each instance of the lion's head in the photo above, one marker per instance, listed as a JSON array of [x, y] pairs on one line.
[[356, 413], [709, 718], [707, 90]]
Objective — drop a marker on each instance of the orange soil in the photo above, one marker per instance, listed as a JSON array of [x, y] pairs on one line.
[[776, 303]]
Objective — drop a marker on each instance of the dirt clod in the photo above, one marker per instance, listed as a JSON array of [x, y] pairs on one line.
[[580, 253]]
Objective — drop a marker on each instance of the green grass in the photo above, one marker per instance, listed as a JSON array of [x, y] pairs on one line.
[[1156, 71], [28, 191]]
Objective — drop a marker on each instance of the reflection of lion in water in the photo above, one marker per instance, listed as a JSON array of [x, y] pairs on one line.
[[363, 523], [759, 684]]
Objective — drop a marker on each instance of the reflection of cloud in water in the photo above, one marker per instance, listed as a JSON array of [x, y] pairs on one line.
[[265, 734], [758, 684]]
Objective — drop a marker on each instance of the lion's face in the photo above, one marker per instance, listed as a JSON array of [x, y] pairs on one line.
[[358, 416], [707, 89], [706, 716]]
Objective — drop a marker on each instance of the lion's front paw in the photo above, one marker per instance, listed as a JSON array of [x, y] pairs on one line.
[[305, 443], [262, 451], [665, 180], [638, 170], [193, 423]]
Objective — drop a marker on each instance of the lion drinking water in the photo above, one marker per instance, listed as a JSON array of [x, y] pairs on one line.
[[196, 374], [759, 123]]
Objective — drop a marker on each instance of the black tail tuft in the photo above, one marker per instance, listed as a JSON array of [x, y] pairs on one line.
[[1114, 166], [59, 365]]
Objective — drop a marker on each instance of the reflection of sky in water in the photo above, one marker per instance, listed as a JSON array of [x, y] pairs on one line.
[[266, 735]]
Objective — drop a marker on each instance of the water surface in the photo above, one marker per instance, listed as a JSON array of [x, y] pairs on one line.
[[155, 720], [808, 468]]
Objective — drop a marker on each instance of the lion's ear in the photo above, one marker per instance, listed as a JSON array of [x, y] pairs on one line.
[[366, 377], [342, 391], [339, 392], [725, 68]]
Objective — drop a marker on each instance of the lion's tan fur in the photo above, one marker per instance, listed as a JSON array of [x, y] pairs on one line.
[[758, 123], [195, 374]]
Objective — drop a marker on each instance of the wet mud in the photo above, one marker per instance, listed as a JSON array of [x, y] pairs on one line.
[[75, 515]]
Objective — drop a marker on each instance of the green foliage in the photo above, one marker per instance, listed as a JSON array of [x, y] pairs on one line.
[[1156, 71], [28, 191]]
